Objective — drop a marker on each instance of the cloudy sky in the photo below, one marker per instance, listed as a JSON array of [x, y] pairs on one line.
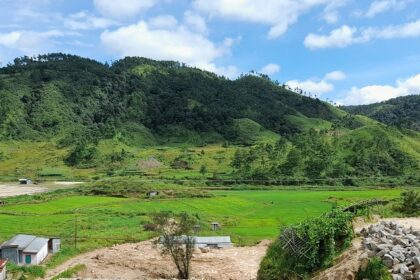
[[349, 51]]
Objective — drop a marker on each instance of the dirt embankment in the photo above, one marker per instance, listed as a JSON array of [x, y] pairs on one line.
[[143, 261]]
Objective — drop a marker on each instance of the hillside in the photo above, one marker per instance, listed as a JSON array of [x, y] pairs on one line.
[[63, 116], [403, 112], [58, 95]]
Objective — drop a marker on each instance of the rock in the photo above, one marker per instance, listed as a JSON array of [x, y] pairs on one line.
[[205, 250], [397, 277], [388, 261], [398, 255], [416, 262], [403, 268], [364, 232], [382, 253], [408, 275], [417, 275]]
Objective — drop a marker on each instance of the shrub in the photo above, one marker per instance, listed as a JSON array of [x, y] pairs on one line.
[[315, 243], [410, 204], [150, 227], [375, 270]]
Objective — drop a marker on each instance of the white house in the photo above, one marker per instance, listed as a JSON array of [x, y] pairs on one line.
[[25, 249]]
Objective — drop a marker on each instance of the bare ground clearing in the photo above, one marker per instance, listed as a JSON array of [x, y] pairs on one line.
[[143, 261], [15, 189], [8, 190]]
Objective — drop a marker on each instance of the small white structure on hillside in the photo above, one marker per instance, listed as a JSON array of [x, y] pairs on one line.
[[213, 241], [25, 249], [25, 181]]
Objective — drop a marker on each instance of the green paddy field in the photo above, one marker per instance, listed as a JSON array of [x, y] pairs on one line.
[[247, 216]]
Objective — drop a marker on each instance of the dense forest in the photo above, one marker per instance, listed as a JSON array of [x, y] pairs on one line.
[[57, 94], [75, 103], [403, 112]]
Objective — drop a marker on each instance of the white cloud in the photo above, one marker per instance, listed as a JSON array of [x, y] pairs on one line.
[[378, 93], [381, 6], [345, 35], [335, 76], [164, 22], [122, 8], [278, 14], [312, 87], [340, 37], [331, 14], [195, 22], [84, 21], [270, 69], [318, 86], [160, 41], [30, 42], [9, 39]]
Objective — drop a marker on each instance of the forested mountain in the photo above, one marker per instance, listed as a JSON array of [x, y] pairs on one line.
[[56, 95], [403, 112], [77, 113]]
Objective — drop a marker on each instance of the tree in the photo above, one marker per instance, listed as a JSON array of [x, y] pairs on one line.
[[176, 238], [203, 170]]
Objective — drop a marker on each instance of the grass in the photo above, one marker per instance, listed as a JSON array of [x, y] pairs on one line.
[[247, 216], [69, 273]]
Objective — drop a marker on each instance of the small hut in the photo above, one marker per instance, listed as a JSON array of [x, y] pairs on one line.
[[152, 193], [24, 181], [215, 226]]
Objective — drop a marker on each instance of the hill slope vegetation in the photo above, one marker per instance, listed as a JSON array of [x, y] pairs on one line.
[[63, 115], [402, 111]]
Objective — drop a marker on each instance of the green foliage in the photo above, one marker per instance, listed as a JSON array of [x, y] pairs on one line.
[[177, 239], [25, 272], [401, 112], [82, 155], [322, 238], [410, 203], [374, 270], [71, 272]]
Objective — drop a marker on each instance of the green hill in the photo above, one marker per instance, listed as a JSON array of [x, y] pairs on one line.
[[71, 117], [403, 112]]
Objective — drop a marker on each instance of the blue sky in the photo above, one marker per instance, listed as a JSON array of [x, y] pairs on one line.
[[349, 51]]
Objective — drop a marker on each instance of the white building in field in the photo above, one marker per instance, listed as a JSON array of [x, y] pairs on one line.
[[25, 249]]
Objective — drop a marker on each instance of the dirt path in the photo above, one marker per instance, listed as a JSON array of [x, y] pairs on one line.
[[143, 261], [8, 190], [348, 263]]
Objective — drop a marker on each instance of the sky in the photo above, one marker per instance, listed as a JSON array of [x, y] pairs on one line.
[[349, 51]]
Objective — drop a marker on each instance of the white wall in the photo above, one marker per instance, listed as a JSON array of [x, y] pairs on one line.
[[37, 258], [3, 273]]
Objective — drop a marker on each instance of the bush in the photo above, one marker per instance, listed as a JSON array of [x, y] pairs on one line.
[[318, 240], [149, 227], [375, 270], [410, 204]]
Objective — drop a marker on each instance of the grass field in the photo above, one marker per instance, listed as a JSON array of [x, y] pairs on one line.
[[247, 216]]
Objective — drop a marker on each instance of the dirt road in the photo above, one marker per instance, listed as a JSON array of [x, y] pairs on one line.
[[143, 261], [7, 190]]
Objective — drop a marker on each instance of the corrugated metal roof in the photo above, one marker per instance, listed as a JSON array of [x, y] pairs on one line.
[[36, 245], [21, 241], [212, 239]]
